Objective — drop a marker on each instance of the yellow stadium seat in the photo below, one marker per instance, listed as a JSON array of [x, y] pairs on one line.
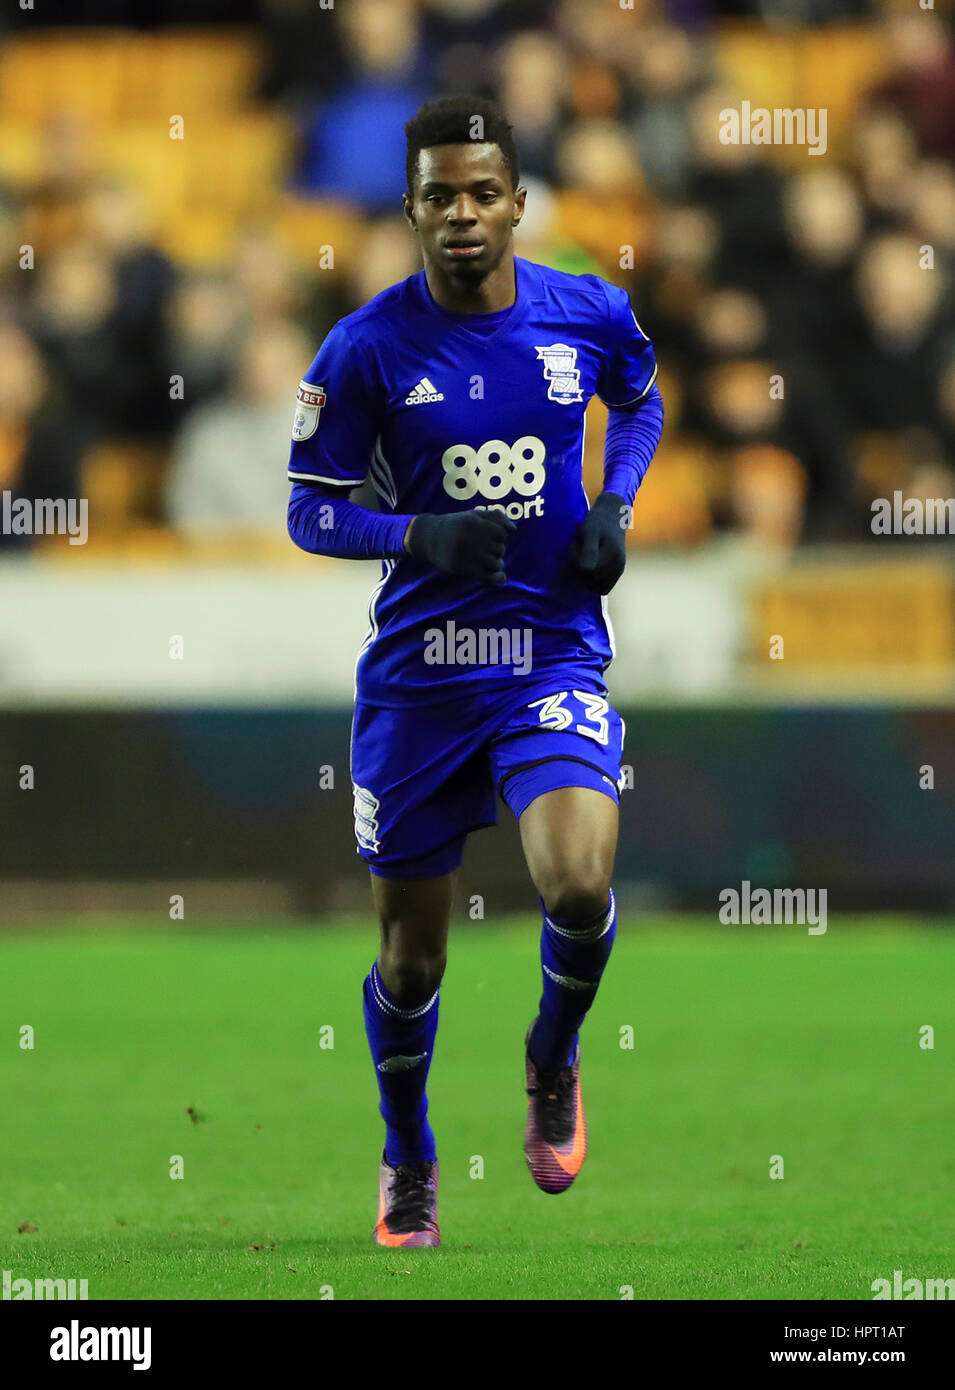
[[117, 75], [197, 73], [142, 152], [21, 150], [809, 68], [40, 73], [879, 463], [306, 225], [839, 65], [231, 165], [672, 506], [758, 65], [122, 480], [239, 163], [202, 239]]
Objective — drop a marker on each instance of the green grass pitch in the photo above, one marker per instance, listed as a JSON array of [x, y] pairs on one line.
[[748, 1043]]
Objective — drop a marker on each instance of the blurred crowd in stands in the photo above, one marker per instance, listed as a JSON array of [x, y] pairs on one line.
[[801, 305]]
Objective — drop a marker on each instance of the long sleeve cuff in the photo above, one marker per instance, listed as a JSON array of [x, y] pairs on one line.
[[323, 522], [632, 438]]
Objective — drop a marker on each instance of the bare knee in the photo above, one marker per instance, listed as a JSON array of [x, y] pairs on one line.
[[410, 972], [575, 891]]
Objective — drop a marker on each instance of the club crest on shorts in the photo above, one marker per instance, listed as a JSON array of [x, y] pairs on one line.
[[560, 373], [308, 405], [367, 807]]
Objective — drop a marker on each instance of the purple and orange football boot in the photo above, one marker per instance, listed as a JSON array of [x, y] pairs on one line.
[[555, 1140], [407, 1204]]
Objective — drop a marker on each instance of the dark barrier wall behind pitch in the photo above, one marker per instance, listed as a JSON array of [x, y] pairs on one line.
[[823, 798]]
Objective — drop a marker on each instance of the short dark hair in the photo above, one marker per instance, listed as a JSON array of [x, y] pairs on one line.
[[450, 121]]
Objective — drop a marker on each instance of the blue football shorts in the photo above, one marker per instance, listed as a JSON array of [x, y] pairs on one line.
[[424, 777]]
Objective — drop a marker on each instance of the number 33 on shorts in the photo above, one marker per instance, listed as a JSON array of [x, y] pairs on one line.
[[590, 719], [568, 738]]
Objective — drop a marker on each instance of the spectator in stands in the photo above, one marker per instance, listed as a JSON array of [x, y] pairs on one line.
[[72, 315], [354, 142], [227, 466], [304, 52], [114, 217], [766, 487], [52, 211], [811, 301], [946, 404], [201, 335], [932, 215], [665, 73], [268, 282], [97, 312], [389, 253], [679, 271], [604, 204], [14, 284], [921, 85], [532, 71], [39, 456], [455, 35], [884, 156], [890, 373], [738, 186]]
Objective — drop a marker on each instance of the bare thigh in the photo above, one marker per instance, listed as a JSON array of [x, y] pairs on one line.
[[570, 840]]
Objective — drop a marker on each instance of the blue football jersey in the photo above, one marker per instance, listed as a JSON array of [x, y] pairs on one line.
[[448, 417]]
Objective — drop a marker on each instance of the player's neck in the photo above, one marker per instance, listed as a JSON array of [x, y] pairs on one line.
[[496, 291]]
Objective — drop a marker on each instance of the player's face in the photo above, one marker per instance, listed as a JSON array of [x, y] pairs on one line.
[[464, 209]]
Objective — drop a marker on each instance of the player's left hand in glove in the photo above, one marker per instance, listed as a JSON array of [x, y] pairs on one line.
[[599, 549]]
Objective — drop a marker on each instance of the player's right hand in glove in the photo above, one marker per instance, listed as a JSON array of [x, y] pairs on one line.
[[468, 544]]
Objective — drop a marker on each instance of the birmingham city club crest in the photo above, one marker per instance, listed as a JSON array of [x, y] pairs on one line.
[[560, 373]]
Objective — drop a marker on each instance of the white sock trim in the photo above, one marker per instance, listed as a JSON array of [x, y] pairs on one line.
[[393, 1009], [591, 933]]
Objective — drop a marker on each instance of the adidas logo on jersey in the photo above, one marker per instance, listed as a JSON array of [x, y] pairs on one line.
[[423, 393]]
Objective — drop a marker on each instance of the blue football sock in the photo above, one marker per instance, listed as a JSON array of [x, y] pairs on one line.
[[573, 957], [402, 1044]]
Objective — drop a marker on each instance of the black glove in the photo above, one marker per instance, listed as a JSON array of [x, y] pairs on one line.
[[599, 548], [469, 544]]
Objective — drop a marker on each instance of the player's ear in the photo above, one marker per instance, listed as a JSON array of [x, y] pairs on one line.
[[520, 195], [408, 207]]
